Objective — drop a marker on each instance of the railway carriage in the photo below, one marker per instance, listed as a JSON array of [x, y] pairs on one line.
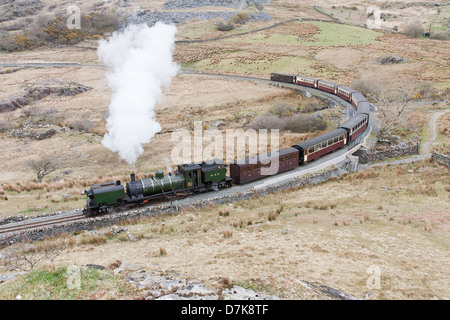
[[345, 92], [355, 126], [307, 81], [256, 167], [289, 78], [327, 86], [313, 148], [357, 98]]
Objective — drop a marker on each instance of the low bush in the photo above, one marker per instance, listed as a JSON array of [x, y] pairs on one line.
[[82, 125], [303, 124], [241, 18], [368, 88], [414, 30], [296, 124], [268, 121], [282, 109], [222, 26]]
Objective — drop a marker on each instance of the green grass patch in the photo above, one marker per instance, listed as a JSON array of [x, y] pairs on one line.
[[331, 34], [59, 284]]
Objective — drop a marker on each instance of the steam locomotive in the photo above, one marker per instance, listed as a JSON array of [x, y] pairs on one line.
[[189, 179], [211, 175]]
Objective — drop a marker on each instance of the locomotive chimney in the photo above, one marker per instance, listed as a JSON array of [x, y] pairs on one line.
[[133, 177]]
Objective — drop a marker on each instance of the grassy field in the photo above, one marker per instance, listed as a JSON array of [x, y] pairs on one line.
[[334, 233], [52, 284], [394, 219], [326, 34], [240, 64]]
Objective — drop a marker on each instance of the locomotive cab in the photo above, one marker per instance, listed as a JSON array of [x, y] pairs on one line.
[[104, 195]]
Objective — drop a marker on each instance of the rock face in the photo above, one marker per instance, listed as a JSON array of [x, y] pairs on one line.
[[187, 4], [440, 158], [150, 18], [41, 90], [158, 285]]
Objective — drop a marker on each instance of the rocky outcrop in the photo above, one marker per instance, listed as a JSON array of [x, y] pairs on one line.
[[440, 158], [188, 4], [39, 91], [150, 18], [33, 134], [393, 59], [159, 285]]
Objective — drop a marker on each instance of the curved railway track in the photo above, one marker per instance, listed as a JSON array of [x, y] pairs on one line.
[[40, 222]]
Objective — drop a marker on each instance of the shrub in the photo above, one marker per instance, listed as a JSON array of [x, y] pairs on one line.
[[103, 22], [241, 18], [367, 88], [302, 124], [310, 106], [445, 36], [414, 30], [272, 216], [224, 213], [282, 109], [4, 126], [42, 166], [295, 124], [227, 234], [225, 26], [82, 125], [268, 121]]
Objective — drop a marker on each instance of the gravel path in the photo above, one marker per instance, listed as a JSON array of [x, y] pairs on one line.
[[426, 146]]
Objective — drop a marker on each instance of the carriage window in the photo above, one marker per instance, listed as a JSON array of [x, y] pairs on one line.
[[324, 145]]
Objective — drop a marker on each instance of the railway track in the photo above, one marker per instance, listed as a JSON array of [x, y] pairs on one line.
[[40, 222]]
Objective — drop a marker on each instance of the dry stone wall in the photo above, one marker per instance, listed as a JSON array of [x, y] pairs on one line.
[[369, 155]]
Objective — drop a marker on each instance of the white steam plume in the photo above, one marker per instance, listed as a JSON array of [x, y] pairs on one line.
[[141, 58]]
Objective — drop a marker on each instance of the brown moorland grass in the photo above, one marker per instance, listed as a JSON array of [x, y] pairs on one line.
[[394, 218], [332, 233]]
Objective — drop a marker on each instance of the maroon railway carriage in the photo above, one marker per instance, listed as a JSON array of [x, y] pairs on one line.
[[307, 81], [355, 126], [257, 167], [345, 92], [327, 86], [357, 98], [318, 146]]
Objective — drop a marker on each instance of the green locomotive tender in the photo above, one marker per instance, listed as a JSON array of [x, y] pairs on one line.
[[190, 178]]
